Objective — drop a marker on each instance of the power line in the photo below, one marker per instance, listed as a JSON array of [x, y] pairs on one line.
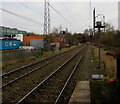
[[22, 17], [29, 8], [59, 13], [90, 13], [69, 13], [48, 13]]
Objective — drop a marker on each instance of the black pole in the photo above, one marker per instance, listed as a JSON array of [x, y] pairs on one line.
[[94, 21], [99, 48]]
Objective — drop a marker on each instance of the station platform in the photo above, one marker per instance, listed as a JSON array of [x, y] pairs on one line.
[[81, 94]]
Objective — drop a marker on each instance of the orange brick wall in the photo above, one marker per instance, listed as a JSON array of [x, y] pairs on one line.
[[26, 39]]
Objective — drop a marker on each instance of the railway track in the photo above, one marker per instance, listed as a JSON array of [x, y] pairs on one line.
[[14, 75], [52, 87], [67, 92], [17, 86], [34, 63]]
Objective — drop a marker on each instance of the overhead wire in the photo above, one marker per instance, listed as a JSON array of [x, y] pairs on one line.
[[69, 13], [58, 13], [22, 17], [90, 14], [38, 13], [28, 19], [61, 15], [29, 8]]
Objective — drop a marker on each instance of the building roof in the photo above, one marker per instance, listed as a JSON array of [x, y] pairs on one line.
[[4, 38], [12, 28]]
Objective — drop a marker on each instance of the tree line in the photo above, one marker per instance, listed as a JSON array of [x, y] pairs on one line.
[[110, 38]]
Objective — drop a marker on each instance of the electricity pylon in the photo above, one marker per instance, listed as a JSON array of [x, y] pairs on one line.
[[46, 18], [47, 25]]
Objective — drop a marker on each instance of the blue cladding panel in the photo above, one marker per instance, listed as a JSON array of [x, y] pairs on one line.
[[9, 44], [0, 45]]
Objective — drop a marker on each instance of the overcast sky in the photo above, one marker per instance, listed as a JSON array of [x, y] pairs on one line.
[[77, 12]]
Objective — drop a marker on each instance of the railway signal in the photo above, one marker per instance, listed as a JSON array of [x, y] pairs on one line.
[[98, 23]]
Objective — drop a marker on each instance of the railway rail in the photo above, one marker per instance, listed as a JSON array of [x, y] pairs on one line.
[[14, 75], [31, 64], [10, 84], [45, 92], [60, 94]]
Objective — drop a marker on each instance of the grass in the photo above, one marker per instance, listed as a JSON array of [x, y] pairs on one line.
[[105, 92], [94, 58], [110, 64], [102, 69], [107, 63]]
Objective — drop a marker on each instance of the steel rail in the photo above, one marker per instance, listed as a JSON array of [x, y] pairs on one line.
[[69, 79], [49, 76], [16, 79], [24, 75], [28, 65]]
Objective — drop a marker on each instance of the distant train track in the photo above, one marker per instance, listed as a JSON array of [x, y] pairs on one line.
[[44, 90], [11, 82], [34, 63], [14, 75]]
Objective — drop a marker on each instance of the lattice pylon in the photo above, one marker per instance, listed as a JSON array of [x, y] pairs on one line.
[[46, 18]]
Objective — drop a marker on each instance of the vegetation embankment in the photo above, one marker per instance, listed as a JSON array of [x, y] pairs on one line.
[[108, 63], [110, 50], [106, 91]]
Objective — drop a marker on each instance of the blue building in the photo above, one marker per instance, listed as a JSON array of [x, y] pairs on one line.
[[7, 43]]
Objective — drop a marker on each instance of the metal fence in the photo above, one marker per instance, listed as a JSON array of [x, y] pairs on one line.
[[11, 55]]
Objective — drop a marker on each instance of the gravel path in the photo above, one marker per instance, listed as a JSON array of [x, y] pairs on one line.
[[85, 68]]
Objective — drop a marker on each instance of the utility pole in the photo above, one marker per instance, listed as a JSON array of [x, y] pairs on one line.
[[99, 33], [94, 21], [99, 25]]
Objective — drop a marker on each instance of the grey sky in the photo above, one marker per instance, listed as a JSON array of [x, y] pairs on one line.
[[78, 13]]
